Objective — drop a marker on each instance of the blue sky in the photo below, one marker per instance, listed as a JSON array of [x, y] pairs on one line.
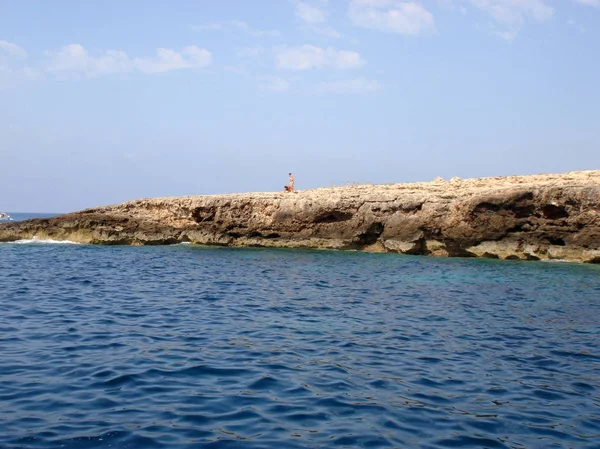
[[104, 102]]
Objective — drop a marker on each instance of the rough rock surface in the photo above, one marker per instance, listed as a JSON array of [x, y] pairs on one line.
[[515, 217]]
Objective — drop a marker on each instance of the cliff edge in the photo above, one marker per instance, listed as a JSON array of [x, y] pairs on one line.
[[515, 217]]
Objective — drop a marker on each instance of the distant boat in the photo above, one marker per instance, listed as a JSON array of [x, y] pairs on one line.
[[4, 217]]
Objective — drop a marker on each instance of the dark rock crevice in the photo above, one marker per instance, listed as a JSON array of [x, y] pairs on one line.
[[371, 235], [554, 212], [203, 214], [334, 216], [556, 241]]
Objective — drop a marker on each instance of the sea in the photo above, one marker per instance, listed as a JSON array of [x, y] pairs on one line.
[[187, 346], [21, 216]]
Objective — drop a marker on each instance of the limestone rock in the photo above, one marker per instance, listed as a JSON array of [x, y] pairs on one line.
[[516, 217]]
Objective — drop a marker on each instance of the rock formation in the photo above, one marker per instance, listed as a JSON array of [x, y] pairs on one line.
[[515, 217]]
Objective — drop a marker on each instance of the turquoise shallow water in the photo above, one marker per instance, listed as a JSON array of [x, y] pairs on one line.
[[182, 347]]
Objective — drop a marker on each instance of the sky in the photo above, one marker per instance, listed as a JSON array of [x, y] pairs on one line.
[[105, 102]]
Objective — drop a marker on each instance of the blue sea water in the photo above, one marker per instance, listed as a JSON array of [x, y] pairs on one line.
[[193, 347], [20, 216]]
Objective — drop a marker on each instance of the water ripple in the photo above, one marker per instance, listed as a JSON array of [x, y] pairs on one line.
[[184, 347]]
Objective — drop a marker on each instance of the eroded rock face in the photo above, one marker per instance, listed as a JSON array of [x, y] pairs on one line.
[[517, 217]]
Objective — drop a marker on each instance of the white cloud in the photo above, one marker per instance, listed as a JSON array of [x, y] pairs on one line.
[[308, 57], [354, 86], [235, 25], [510, 15], [315, 18], [74, 59], [345, 59], [166, 60], [11, 65], [12, 49], [595, 3], [274, 84], [515, 11], [393, 16], [300, 58], [310, 14]]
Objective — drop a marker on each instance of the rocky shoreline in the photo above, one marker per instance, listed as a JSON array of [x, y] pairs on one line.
[[516, 217]]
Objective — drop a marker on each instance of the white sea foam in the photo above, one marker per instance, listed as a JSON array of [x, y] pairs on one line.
[[45, 242]]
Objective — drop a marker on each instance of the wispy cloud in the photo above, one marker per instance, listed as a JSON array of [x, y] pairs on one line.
[[453, 5], [392, 16], [515, 11], [222, 26], [235, 25], [191, 57], [12, 65], [350, 86], [327, 31], [305, 57], [249, 52], [267, 33], [509, 16], [573, 23], [310, 14], [595, 3], [12, 49], [74, 59], [315, 17], [274, 84]]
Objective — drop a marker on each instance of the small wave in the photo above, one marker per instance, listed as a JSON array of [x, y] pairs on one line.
[[45, 242]]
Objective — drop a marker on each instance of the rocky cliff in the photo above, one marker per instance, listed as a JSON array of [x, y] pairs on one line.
[[516, 217]]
